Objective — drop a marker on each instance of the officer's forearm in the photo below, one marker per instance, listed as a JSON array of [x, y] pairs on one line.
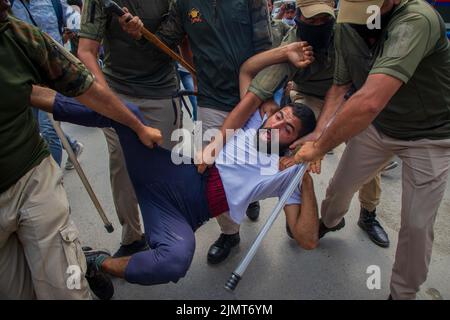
[[102, 100], [359, 111], [88, 54]]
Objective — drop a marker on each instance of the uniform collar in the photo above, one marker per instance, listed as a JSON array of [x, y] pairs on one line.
[[400, 6]]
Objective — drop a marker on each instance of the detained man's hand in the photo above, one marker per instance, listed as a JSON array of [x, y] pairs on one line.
[[315, 166], [132, 27], [308, 153], [300, 54], [287, 162], [150, 136]]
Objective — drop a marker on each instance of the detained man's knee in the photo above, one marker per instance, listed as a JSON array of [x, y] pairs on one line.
[[160, 265]]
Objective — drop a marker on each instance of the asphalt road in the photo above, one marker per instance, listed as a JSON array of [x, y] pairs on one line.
[[280, 269]]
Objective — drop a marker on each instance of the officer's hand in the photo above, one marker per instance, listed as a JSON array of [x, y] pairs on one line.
[[150, 136], [286, 162], [300, 54], [308, 153], [313, 136], [131, 25]]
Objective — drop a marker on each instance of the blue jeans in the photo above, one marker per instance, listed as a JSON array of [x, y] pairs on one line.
[[50, 136], [188, 84]]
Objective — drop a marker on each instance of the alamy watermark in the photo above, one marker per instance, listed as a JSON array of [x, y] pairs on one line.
[[252, 146]]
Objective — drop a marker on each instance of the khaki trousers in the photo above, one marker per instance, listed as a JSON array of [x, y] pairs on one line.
[[158, 114], [370, 193], [40, 253], [425, 170]]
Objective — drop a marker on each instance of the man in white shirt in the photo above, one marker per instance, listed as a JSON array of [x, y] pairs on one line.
[[176, 199]]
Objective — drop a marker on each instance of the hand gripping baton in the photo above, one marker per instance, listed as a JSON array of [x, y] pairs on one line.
[[113, 7], [236, 275]]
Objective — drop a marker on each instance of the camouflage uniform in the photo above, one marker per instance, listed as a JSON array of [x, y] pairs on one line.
[[38, 241]]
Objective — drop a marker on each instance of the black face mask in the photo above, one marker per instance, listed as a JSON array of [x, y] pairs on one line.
[[318, 36], [367, 33]]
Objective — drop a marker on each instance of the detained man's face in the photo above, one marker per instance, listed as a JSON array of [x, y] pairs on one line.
[[4, 5], [287, 126]]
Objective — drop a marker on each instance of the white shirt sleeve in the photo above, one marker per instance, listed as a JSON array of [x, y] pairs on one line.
[[295, 198]]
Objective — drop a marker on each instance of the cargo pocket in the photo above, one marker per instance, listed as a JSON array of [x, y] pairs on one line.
[[72, 247]]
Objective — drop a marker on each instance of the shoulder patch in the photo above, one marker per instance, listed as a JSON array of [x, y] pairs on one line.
[[195, 16], [399, 40]]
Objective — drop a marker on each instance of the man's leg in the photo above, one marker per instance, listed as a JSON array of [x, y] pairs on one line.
[[159, 114], [370, 193], [220, 249], [15, 276], [425, 171], [369, 198], [37, 211], [172, 243], [77, 148], [124, 198], [362, 159]]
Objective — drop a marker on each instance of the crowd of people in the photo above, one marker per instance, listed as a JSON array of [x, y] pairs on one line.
[[291, 84]]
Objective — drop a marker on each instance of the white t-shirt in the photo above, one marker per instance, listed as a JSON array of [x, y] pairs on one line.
[[248, 175]]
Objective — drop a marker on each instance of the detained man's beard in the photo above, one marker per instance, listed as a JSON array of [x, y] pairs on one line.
[[265, 145]]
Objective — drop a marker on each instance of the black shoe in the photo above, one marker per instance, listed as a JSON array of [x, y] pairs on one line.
[[220, 249], [132, 248], [368, 222], [253, 211], [324, 230], [99, 282], [288, 231]]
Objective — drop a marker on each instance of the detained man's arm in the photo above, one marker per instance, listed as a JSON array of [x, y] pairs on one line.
[[356, 115], [235, 120], [88, 54], [303, 220], [299, 54], [102, 100]]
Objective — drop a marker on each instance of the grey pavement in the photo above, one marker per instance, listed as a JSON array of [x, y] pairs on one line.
[[280, 269]]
